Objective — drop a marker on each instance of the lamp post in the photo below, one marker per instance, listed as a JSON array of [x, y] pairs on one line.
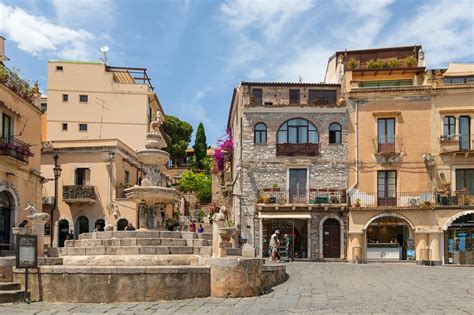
[[57, 173]]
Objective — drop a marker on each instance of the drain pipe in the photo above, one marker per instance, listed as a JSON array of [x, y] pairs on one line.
[[356, 123]]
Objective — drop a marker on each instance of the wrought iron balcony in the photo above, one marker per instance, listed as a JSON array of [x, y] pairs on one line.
[[79, 194], [305, 196], [457, 143], [14, 148], [19, 86], [291, 149]]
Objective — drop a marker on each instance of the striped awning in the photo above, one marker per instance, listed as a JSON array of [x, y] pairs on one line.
[[459, 70]]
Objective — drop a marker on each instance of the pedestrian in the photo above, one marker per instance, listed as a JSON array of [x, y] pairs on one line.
[[98, 228], [23, 224], [200, 229], [70, 235], [192, 226], [130, 227], [275, 246], [288, 248]]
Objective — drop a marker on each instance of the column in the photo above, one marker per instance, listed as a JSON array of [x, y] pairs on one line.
[[421, 241], [354, 247], [37, 228], [435, 245]]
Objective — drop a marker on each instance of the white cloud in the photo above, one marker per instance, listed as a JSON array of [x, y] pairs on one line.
[[37, 35], [256, 74], [444, 28], [80, 13], [271, 16]]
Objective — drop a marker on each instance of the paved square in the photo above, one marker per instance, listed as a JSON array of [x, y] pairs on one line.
[[315, 288]]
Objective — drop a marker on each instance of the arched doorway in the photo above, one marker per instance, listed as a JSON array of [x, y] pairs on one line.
[[82, 225], [459, 240], [331, 238], [389, 237], [99, 224], [121, 224], [63, 230], [5, 218]]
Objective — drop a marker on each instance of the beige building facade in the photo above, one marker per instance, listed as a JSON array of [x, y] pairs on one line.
[[20, 150]]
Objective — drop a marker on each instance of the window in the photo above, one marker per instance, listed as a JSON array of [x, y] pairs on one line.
[[459, 80], [465, 180], [59, 68], [464, 133], [449, 127], [335, 133], [82, 176], [322, 97], [386, 135], [65, 97], [387, 188], [294, 97], [297, 131], [83, 98], [64, 126], [126, 177], [385, 83], [6, 128], [260, 133], [82, 127], [257, 97]]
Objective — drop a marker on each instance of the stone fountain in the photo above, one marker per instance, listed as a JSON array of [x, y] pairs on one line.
[[151, 195]]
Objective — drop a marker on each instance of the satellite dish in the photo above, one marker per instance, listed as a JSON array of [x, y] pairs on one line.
[[104, 49]]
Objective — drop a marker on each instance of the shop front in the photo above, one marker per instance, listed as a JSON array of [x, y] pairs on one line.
[[459, 241]]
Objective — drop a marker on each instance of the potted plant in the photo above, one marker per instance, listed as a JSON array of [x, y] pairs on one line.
[[266, 199], [394, 63], [357, 203], [410, 61], [275, 187], [352, 63], [334, 199]]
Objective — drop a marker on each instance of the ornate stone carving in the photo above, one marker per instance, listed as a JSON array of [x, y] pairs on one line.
[[35, 215]]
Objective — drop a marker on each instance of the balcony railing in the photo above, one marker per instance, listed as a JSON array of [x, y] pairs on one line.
[[306, 196], [12, 147], [79, 194], [19, 86], [424, 199], [291, 149], [387, 145], [455, 143]]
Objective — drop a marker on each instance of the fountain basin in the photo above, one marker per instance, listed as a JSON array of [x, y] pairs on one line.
[[153, 194], [153, 157]]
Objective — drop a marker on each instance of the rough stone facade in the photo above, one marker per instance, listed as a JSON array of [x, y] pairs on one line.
[[258, 167]]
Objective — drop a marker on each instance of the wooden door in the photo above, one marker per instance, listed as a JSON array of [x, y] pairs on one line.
[[331, 239]]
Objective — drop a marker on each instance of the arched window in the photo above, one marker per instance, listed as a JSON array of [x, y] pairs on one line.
[[335, 131], [297, 131], [99, 224], [260, 133], [82, 225]]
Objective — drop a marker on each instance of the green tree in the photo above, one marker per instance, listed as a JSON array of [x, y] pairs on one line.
[[200, 183], [200, 147], [178, 136]]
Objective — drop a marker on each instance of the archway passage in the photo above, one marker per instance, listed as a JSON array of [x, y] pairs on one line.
[[99, 224], [388, 238], [331, 239], [121, 224], [82, 225], [5, 218], [459, 241], [63, 230]]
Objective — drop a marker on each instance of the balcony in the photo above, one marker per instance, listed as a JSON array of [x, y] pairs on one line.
[[73, 194], [426, 200], [292, 149], [20, 87], [317, 197], [15, 149], [387, 150], [457, 144]]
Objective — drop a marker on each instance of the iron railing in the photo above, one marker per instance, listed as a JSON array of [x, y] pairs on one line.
[[455, 143], [19, 86], [19, 150], [139, 75], [387, 145], [291, 149], [305, 196], [401, 199], [79, 192]]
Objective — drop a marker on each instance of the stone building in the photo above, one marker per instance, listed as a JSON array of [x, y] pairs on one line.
[[20, 149], [410, 156], [289, 167]]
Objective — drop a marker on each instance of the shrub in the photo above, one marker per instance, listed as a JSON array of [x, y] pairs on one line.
[[200, 183], [410, 61], [394, 63], [352, 63]]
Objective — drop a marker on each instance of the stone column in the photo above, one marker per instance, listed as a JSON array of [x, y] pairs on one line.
[[435, 245], [421, 241], [37, 228], [354, 247]]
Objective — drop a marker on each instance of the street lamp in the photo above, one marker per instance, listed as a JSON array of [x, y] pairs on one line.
[[57, 173]]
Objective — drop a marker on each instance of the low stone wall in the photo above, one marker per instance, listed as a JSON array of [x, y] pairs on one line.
[[273, 275], [107, 284]]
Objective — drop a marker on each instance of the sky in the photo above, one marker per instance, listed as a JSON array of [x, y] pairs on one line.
[[197, 51]]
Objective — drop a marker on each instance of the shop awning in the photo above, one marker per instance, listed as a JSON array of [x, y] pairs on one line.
[[459, 70], [284, 215]]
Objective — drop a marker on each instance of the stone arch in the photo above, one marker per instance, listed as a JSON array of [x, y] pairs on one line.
[[455, 217], [121, 224], [321, 236], [78, 228], [389, 214]]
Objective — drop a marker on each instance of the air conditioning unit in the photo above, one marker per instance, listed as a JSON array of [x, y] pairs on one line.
[[414, 201], [48, 200]]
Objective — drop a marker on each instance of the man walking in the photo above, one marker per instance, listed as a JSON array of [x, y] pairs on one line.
[[288, 248], [275, 246]]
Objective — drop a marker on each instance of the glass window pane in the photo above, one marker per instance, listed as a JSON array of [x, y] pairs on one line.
[[293, 135], [391, 130], [282, 136], [302, 135], [459, 179], [381, 131], [263, 137]]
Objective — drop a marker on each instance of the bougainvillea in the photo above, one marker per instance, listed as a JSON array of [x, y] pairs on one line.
[[223, 146], [219, 159]]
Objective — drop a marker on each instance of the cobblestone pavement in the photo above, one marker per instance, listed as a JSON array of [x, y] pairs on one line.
[[315, 288]]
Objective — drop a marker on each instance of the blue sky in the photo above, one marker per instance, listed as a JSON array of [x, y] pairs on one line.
[[197, 51]]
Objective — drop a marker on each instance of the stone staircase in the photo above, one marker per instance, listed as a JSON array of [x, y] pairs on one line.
[[10, 292]]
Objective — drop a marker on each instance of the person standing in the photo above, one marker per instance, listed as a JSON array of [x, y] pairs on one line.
[[275, 246], [70, 235], [192, 226], [200, 229], [288, 248]]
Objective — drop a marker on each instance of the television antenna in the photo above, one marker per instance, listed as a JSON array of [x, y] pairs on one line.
[[104, 49]]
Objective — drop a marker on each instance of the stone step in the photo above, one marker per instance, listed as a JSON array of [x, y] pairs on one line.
[[9, 286], [130, 234], [136, 250], [131, 260], [11, 296], [129, 242]]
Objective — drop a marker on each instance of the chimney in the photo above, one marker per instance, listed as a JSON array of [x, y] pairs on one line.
[[2, 49]]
